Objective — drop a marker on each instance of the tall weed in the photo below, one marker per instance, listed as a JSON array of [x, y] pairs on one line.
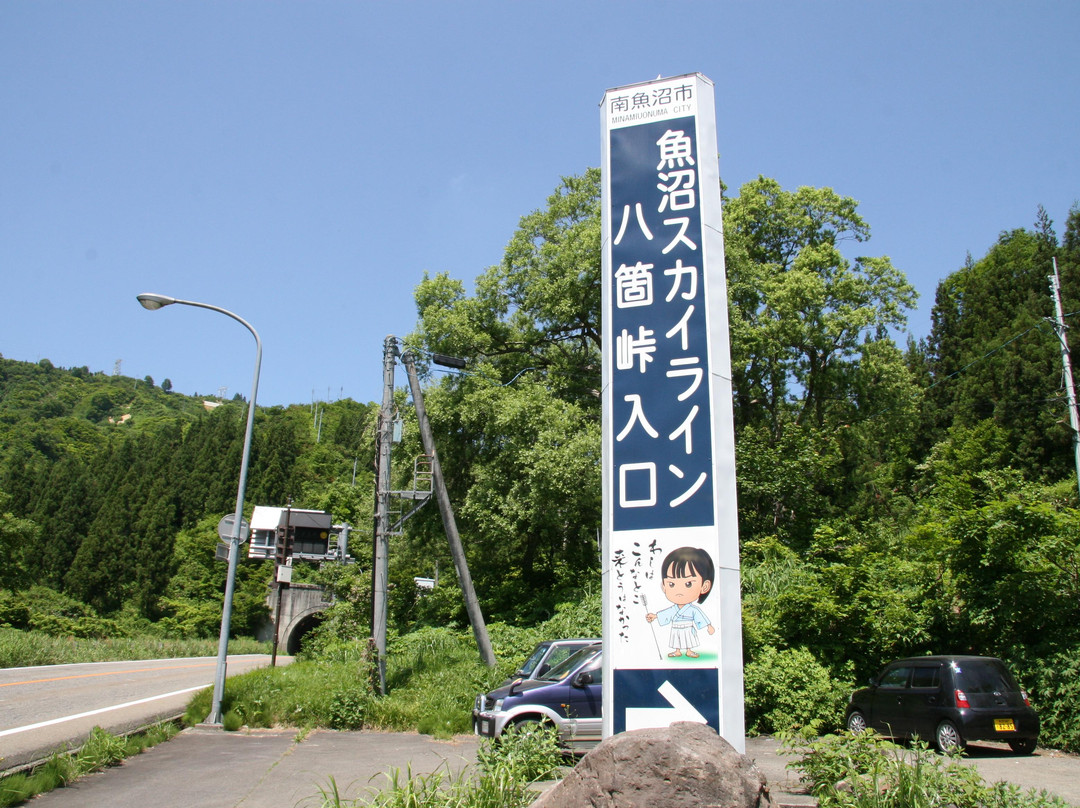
[[506, 770]]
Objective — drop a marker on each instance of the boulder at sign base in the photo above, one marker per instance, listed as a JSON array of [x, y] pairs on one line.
[[682, 766]]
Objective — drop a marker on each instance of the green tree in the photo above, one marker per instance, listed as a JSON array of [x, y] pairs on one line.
[[100, 572], [818, 382], [193, 597], [801, 311], [274, 458], [992, 354], [519, 433], [17, 538], [64, 507], [1015, 563]]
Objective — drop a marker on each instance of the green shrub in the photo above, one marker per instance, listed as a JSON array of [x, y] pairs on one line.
[[348, 709], [529, 753], [578, 618], [13, 611], [831, 759], [433, 675], [303, 694], [102, 749], [58, 615], [790, 690], [866, 771], [1053, 681], [512, 645]]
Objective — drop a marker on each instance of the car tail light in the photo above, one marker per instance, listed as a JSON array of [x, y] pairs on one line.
[[1024, 696], [961, 699]]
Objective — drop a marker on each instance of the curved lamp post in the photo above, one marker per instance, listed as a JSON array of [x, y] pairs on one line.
[[154, 302]]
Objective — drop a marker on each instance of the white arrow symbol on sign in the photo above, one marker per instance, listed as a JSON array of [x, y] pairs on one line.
[[680, 710]]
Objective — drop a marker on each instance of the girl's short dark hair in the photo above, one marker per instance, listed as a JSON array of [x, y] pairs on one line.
[[686, 561]]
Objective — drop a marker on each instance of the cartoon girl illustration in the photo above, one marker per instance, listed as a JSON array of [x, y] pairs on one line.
[[688, 575]]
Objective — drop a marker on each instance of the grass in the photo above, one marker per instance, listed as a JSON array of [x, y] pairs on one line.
[[100, 751], [20, 648], [433, 676]]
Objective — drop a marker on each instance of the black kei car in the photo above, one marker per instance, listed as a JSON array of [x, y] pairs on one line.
[[951, 699]]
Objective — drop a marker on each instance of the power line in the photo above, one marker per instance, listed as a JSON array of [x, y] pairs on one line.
[[987, 355]]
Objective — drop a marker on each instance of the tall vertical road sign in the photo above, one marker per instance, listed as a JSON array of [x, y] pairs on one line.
[[672, 616]]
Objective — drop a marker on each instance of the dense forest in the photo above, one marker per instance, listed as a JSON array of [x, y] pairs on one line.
[[893, 499]]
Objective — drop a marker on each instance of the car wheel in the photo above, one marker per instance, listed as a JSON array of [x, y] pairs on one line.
[[856, 722], [948, 738], [1023, 746]]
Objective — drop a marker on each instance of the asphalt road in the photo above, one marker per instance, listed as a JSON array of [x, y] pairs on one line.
[[47, 707]]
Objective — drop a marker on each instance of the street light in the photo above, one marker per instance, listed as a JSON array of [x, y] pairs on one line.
[[154, 302]]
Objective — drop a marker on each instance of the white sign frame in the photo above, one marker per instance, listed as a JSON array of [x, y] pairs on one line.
[[650, 506]]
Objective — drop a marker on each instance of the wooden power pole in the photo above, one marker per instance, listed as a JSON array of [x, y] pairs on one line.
[[379, 570], [472, 605]]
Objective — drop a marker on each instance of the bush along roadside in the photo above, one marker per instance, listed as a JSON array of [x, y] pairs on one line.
[[100, 751], [864, 770]]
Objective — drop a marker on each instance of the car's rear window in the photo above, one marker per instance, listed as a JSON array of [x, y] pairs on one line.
[[984, 677], [926, 677]]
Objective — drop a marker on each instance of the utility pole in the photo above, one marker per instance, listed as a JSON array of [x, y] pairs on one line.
[[282, 551], [1070, 390], [379, 571], [472, 605]]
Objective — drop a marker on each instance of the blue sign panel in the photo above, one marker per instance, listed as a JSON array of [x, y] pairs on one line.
[[658, 697], [660, 407]]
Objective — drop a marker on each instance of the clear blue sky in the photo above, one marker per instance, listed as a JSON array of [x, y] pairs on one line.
[[303, 163]]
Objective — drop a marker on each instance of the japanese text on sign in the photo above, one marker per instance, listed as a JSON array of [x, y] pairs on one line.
[[661, 410]]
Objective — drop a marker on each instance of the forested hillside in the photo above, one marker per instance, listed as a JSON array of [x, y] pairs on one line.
[[893, 499], [112, 489]]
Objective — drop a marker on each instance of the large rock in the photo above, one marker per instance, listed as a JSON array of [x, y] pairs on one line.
[[682, 766]]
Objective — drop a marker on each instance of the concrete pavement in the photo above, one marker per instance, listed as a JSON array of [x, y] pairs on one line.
[[209, 768]]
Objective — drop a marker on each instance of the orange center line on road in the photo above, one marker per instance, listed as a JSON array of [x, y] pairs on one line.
[[105, 673]]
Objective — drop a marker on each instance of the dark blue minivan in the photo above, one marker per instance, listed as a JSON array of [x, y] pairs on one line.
[[569, 697]]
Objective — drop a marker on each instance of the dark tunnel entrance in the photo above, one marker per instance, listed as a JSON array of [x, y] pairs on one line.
[[304, 627]]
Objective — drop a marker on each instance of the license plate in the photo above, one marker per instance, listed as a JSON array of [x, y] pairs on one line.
[[1004, 725]]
